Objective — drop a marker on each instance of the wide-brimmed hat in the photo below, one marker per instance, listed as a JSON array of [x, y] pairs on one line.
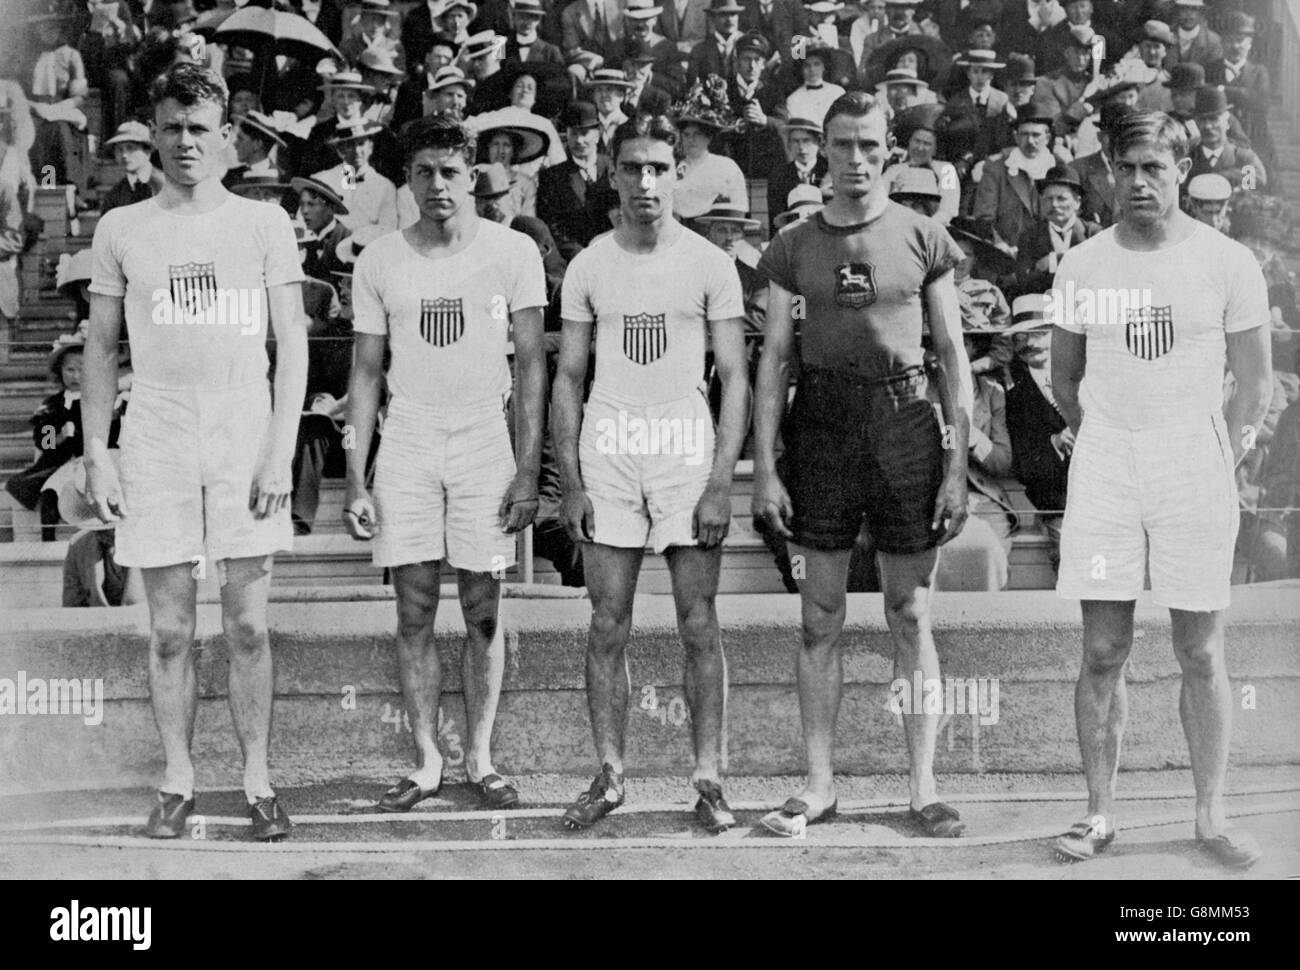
[[325, 192], [1029, 312], [447, 77], [1211, 100], [1081, 35], [1186, 76], [1020, 70], [64, 344], [69, 484], [350, 247], [608, 77], [72, 270], [724, 210], [131, 131], [724, 7], [530, 143], [918, 117], [264, 125], [1059, 175], [468, 5], [824, 6], [1199, 4], [381, 60], [708, 105], [803, 200], [801, 124], [493, 179], [1158, 30], [260, 183], [904, 75], [483, 43], [642, 9], [1209, 187], [579, 114], [913, 182], [979, 58], [987, 253], [345, 79], [354, 131]]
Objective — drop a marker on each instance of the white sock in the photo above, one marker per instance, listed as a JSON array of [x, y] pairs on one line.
[[179, 781]]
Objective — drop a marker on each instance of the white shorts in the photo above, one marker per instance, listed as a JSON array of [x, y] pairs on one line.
[[645, 467], [188, 458], [1164, 491], [440, 478]]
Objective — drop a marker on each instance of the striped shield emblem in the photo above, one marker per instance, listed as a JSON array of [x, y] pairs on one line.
[[1149, 331], [645, 338], [194, 286], [442, 321]]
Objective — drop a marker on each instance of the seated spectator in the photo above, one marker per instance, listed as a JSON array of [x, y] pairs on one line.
[[56, 432], [574, 197], [1117, 95], [781, 20], [899, 22], [1023, 27], [344, 104], [592, 30], [256, 140], [494, 200], [1070, 88], [370, 198], [1020, 82], [1047, 239], [1041, 440], [902, 89], [379, 69], [915, 132], [648, 92], [482, 56], [916, 188], [715, 53], [1238, 164], [58, 88], [514, 147], [803, 201], [606, 89], [1146, 66], [983, 307], [1207, 200], [705, 176], [376, 28], [1006, 197], [807, 165], [132, 145], [641, 19], [319, 208], [1195, 43], [977, 116], [523, 45], [448, 93], [725, 225], [814, 97]]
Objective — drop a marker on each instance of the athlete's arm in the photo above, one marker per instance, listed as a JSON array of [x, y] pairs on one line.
[[566, 424], [272, 482], [770, 501], [956, 400], [1069, 355], [519, 505], [1250, 361], [713, 511], [98, 392], [363, 408]]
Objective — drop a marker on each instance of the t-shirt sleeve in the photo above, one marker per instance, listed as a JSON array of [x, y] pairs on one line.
[[106, 276], [1058, 310], [724, 298], [575, 294], [369, 315], [1247, 303], [774, 264], [281, 263], [529, 282], [941, 252]]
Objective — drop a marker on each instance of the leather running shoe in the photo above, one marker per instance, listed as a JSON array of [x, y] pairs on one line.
[[494, 792], [405, 795], [1230, 848], [1085, 840], [604, 795], [270, 823], [712, 809], [167, 820]]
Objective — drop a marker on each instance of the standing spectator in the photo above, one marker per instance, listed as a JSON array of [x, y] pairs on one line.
[[574, 197], [705, 176], [1216, 153], [755, 142], [132, 145], [58, 89], [1006, 198], [715, 53], [1095, 172], [370, 198]]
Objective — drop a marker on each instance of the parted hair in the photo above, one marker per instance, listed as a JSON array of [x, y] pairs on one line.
[[1155, 127], [190, 84]]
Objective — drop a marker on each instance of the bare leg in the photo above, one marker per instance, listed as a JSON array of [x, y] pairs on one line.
[[694, 574], [1205, 705], [419, 668], [244, 588], [611, 580], [820, 666], [173, 687], [906, 581], [482, 665], [1100, 697]]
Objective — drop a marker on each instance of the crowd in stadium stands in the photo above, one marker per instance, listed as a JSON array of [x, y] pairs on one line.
[[999, 109]]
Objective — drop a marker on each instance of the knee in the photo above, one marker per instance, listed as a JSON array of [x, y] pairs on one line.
[[480, 617], [822, 622], [1105, 657], [414, 619], [172, 641], [609, 626], [905, 615], [245, 636], [1200, 659], [698, 625]]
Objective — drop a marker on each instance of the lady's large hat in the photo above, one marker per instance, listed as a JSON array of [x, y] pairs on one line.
[[707, 105], [448, 77], [263, 125], [324, 192], [987, 253], [913, 182], [724, 210], [978, 58], [74, 269], [642, 10], [256, 184], [530, 143], [918, 117], [64, 344], [1029, 312], [354, 131]]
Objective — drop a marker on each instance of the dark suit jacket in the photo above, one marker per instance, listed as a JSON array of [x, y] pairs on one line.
[[1031, 421], [329, 21], [781, 180], [1035, 243], [982, 131], [1207, 47], [1053, 41], [1249, 94], [1231, 165], [540, 52], [783, 21], [706, 59], [1098, 189], [656, 98], [1006, 203], [756, 149], [578, 33], [574, 211], [319, 257], [493, 15], [122, 194], [417, 33]]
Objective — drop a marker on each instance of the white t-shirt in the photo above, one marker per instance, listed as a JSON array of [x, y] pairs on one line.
[[447, 319], [194, 287], [1155, 323], [650, 313]]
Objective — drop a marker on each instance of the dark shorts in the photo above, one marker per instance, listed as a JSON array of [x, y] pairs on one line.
[[859, 449]]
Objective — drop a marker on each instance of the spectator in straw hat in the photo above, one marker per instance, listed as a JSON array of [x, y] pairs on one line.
[[641, 19], [132, 145], [1207, 200], [523, 44], [715, 54], [371, 199], [916, 188], [606, 88], [319, 208], [344, 101], [802, 202], [725, 225], [1216, 152], [915, 132], [448, 93], [481, 56], [256, 141]]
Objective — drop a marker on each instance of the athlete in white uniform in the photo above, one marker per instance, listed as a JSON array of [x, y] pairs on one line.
[[205, 467], [642, 462], [444, 296], [1147, 314]]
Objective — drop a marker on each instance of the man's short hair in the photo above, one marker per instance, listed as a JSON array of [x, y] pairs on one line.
[[854, 104], [190, 84], [653, 127], [1155, 127], [440, 133]]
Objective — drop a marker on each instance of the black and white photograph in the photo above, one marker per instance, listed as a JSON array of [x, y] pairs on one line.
[[727, 440]]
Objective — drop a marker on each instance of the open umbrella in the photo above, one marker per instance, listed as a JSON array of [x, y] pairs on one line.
[[268, 32], [937, 56]]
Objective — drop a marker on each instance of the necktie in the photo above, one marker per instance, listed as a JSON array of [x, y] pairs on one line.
[[599, 19]]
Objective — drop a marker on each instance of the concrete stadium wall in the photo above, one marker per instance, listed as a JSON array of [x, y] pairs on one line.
[[328, 652]]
